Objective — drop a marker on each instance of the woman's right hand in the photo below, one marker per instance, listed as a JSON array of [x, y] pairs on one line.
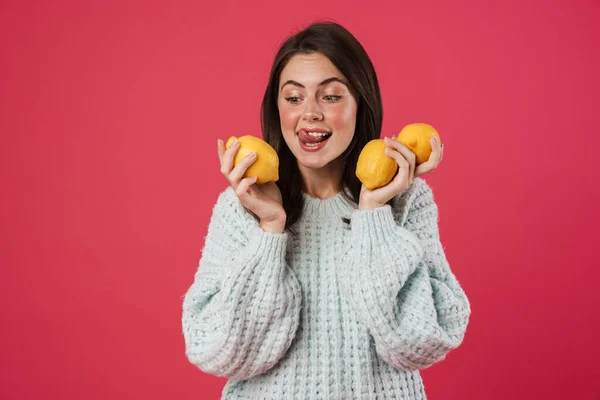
[[264, 200]]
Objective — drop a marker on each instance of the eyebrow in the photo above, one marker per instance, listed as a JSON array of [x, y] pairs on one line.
[[325, 82]]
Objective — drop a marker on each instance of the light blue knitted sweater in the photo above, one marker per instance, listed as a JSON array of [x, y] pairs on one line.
[[338, 312]]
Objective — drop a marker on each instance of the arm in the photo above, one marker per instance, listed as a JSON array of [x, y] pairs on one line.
[[398, 281], [242, 310]]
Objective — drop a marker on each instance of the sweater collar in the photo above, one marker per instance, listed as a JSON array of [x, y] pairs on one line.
[[336, 206]]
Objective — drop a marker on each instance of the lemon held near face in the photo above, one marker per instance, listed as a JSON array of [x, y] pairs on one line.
[[266, 165], [375, 169]]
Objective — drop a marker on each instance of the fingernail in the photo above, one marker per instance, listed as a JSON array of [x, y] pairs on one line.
[[252, 155], [434, 138]]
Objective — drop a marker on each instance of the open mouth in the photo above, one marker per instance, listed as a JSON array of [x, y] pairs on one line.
[[312, 139]]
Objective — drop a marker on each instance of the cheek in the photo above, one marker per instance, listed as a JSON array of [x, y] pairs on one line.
[[342, 116], [289, 118]]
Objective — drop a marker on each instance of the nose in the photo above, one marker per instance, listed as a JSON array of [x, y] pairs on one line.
[[312, 111]]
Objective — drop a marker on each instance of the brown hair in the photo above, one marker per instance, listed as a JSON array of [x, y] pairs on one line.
[[350, 58]]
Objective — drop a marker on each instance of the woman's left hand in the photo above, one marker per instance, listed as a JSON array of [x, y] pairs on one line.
[[407, 171]]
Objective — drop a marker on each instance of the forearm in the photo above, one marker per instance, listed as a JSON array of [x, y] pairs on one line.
[[242, 310], [415, 318]]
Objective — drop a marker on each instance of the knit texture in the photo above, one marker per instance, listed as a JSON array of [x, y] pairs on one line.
[[342, 311]]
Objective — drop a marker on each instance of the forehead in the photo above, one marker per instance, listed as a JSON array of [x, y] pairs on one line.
[[309, 69]]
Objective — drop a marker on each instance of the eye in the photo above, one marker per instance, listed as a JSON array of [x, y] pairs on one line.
[[332, 98], [293, 99]]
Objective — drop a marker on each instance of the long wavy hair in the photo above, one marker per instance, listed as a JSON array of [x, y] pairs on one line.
[[350, 58]]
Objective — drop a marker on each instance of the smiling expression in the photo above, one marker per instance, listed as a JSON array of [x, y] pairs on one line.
[[317, 110]]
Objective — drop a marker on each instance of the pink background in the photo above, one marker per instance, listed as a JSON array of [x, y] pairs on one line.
[[109, 116]]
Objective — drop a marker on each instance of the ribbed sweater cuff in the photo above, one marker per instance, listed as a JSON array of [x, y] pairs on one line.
[[270, 246]]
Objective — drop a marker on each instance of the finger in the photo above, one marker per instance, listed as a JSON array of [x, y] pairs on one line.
[[221, 150], [228, 157], [244, 185], [436, 147], [402, 178], [401, 148], [408, 155], [244, 193], [238, 172], [385, 193], [434, 159], [426, 167], [398, 157]]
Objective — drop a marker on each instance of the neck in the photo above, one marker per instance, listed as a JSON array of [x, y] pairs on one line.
[[322, 183]]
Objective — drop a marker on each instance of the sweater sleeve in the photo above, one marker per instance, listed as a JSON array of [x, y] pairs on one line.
[[242, 310], [397, 280]]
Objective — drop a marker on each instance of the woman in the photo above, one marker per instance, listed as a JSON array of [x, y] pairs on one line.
[[315, 287]]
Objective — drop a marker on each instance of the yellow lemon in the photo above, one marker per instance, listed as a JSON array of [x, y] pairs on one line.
[[266, 165], [374, 168], [416, 137]]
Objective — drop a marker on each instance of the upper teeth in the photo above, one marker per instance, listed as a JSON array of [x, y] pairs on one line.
[[317, 134]]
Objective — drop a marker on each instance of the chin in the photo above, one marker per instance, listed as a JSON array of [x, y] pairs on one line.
[[313, 164], [316, 161]]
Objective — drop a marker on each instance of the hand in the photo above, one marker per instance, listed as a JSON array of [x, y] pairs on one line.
[[264, 200], [407, 171]]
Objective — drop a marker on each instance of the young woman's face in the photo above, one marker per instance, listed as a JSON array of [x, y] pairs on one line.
[[316, 109]]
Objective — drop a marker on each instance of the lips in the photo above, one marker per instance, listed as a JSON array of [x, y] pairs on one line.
[[306, 138]]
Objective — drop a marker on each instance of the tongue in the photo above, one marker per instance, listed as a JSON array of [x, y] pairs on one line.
[[306, 138]]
